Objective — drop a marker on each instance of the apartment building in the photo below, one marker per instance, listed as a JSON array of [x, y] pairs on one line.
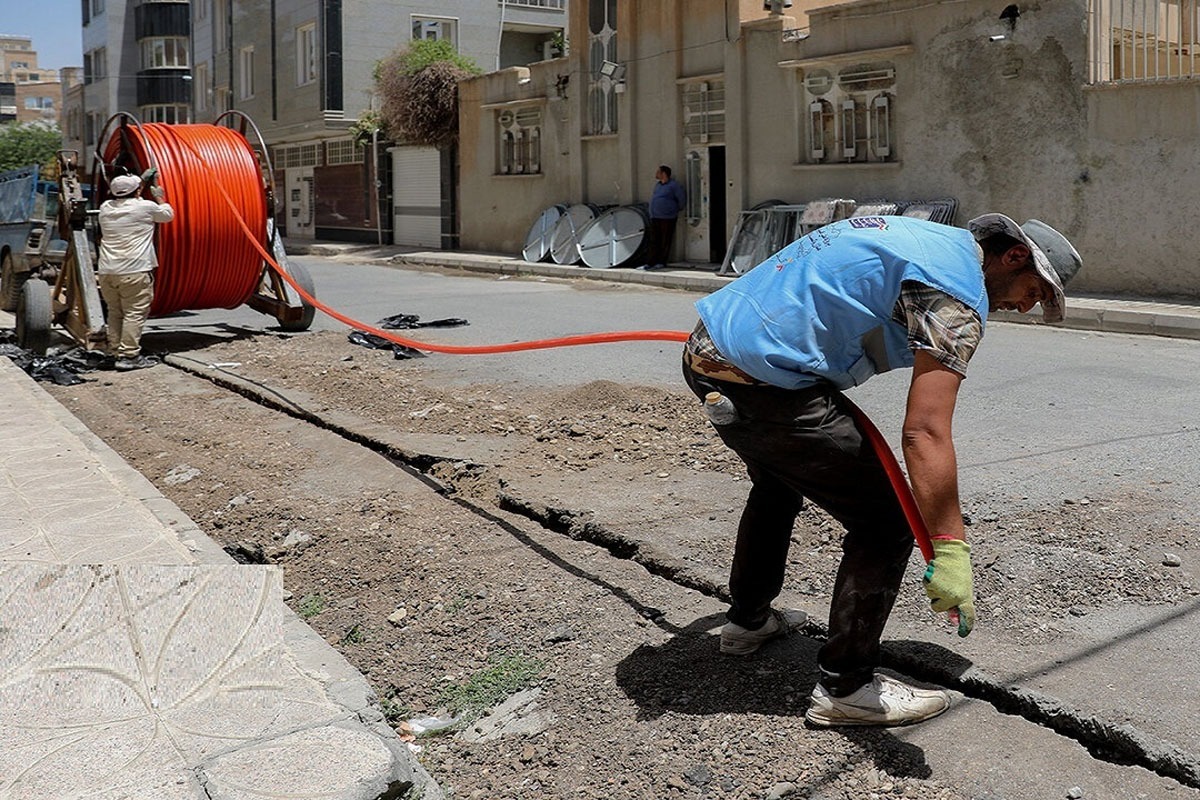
[[302, 70], [35, 94], [135, 60]]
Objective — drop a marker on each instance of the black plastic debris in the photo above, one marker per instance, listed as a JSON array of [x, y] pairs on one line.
[[409, 321], [374, 342], [63, 367]]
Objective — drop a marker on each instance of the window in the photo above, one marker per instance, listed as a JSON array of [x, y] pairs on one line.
[[847, 115], [33, 76], [19, 65], [343, 151], [95, 65], [296, 155], [201, 9], [246, 73], [435, 28], [519, 139], [92, 128], [168, 113], [602, 46], [164, 52], [200, 87], [1143, 40], [221, 100], [703, 112], [220, 26], [306, 54]]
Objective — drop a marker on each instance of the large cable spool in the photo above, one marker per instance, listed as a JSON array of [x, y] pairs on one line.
[[205, 259]]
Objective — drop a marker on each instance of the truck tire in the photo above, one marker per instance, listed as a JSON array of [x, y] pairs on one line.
[[11, 282], [34, 316], [302, 277]]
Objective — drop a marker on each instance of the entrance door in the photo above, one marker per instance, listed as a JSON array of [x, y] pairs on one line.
[[417, 197], [298, 200], [705, 216]]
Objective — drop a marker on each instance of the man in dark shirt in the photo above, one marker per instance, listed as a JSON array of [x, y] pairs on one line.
[[666, 202]]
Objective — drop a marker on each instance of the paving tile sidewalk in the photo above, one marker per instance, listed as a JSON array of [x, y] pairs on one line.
[[138, 660]]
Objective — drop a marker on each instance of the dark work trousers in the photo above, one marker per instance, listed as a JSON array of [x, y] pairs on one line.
[[662, 232], [804, 443]]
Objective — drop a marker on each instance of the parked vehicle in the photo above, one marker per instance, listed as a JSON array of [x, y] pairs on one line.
[[30, 243]]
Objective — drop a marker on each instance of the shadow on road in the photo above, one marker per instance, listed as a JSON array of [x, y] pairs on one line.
[[688, 675]]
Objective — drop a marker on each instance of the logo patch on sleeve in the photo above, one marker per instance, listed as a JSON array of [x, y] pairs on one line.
[[868, 222]]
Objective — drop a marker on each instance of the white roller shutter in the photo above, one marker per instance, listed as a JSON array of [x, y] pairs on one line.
[[416, 196]]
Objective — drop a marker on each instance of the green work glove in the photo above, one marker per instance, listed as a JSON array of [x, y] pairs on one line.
[[150, 176], [948, 582]]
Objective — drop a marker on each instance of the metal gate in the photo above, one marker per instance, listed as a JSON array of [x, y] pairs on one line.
[[416, 197]]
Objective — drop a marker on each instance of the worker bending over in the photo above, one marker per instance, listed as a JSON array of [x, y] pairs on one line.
[[852, 299]]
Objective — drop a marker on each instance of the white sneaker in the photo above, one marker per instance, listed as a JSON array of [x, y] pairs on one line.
[[739, 641], [884, 701]]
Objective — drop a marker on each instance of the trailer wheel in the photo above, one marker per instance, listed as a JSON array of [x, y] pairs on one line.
[[11, 282], [302, 277], [33, 317]]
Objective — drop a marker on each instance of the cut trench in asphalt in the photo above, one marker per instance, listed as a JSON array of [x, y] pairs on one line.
[[1120, 744]]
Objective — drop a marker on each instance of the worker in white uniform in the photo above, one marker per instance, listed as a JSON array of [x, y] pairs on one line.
[[127, 262]]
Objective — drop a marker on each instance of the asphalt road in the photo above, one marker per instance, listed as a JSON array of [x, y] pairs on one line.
[[1045, 414]]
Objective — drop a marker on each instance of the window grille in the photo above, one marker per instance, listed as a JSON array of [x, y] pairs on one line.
[[343, 151], [848, 116], [1137, 41], [168, 113], [296, 155], [519, 141], [704, 112], [602, 46]]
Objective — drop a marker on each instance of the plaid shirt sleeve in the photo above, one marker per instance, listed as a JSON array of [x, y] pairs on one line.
[[948, 329]]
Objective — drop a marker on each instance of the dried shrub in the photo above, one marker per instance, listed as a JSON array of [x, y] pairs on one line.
[[419, 87]]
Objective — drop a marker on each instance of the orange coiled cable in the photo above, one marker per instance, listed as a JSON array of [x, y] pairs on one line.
[[204, 261]]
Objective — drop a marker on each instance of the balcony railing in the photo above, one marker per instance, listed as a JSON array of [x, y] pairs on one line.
[[556, 4]]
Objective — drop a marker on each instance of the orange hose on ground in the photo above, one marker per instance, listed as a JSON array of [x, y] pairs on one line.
[[231, 270], [895, 475]]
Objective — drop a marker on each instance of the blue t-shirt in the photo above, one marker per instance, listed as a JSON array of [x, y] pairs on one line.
[[668, 200]]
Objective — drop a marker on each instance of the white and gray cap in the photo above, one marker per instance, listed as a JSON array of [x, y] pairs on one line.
[[1055, 258], [124, 185]]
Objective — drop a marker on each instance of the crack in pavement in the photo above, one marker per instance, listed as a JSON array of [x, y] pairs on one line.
[[1118, 744]]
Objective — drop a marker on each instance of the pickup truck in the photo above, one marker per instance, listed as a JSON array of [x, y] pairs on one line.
[[30, 245]]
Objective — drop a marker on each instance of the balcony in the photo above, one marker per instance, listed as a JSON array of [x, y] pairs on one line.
[[557, 5]]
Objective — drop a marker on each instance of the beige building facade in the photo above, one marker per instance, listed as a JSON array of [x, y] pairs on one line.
[[38, 94], [1082, 113]]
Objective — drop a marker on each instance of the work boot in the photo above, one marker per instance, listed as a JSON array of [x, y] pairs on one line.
[[136, 362], [739, 641], [884, 701]]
